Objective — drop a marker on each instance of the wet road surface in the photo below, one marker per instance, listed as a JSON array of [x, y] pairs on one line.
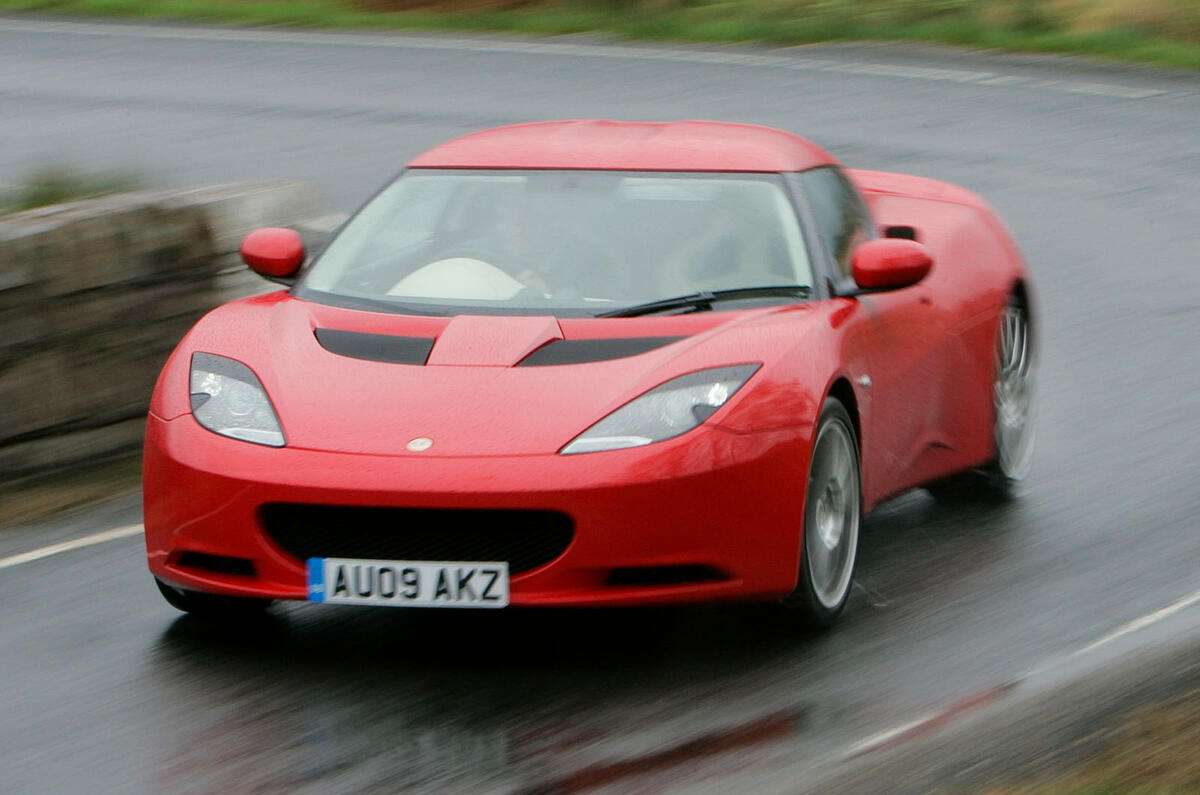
[[1094, 168]]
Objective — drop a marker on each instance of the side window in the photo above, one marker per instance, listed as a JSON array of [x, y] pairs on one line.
[[842, 220]]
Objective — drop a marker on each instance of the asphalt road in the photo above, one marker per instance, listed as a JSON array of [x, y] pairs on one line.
[[1094, 168]]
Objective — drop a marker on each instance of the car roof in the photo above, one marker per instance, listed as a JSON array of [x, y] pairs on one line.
[[632, 146]]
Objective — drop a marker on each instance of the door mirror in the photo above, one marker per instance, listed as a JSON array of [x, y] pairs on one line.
[[273, 252], [890, 263]]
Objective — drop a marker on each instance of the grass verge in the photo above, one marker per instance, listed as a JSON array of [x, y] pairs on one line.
[[32, 501], [60, 184], [1162, 32], [1154, 751]]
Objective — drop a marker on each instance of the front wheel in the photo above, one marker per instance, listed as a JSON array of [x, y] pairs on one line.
[[832, 515], [211, 605]]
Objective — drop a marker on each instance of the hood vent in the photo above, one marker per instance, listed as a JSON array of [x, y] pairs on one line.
[[375, 347], [596, 350], [395, 349]]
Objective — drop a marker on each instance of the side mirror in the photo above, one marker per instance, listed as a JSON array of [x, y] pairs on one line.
[[890, 263], [273, 252]]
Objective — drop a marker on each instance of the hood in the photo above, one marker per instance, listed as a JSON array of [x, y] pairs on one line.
[[363, 382]]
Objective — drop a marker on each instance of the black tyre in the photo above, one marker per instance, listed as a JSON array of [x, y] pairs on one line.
[[211, 605], [832, 517], [1012, 426]]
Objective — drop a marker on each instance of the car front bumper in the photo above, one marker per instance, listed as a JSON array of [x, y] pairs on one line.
[[713, 500]]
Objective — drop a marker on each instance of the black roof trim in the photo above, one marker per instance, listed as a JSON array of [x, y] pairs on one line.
[[375, 347]]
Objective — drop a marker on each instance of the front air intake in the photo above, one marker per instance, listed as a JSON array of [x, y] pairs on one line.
[[525, 539]]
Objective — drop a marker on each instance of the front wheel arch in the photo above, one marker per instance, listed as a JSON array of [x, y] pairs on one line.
[[844, 392]]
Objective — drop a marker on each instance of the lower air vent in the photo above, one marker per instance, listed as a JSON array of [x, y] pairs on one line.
[[524, 539], [663, 575], [220, 564]]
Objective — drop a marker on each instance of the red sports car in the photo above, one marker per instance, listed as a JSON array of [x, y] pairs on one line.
[[591, 363]]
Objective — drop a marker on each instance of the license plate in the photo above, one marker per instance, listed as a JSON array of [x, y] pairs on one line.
[[407, 583]]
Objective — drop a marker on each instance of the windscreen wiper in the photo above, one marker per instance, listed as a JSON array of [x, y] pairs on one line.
[[703, 300]]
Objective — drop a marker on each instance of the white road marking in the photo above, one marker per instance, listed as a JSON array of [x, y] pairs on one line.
[[882, 738], [1101, 89], [1140, 623], [513, 46], [67, 546], [911, 72]]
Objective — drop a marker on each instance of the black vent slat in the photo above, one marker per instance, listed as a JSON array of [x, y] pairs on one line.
[[525, 539], [375, 347], [595, 350]]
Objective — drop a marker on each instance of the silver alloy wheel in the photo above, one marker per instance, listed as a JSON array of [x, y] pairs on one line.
[[831, 543], [1012, 394]]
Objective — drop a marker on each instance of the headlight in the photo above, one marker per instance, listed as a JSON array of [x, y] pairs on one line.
[[227, 398], [665, 411]]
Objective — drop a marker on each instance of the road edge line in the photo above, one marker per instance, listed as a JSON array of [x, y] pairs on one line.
[[67, 546]]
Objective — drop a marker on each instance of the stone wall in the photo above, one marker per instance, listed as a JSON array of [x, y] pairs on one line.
[[95, 294]]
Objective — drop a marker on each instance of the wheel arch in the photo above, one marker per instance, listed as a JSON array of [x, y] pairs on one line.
[[844, 392], [815, 611], [1020, 290]]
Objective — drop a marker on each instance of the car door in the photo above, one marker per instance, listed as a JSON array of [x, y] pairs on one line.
[[898, 335]]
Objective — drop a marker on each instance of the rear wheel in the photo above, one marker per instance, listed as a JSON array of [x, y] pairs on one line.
[[1012, 428], [211, 605], [832, 515]]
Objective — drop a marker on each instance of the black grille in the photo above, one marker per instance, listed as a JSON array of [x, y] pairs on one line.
[[525, 539]]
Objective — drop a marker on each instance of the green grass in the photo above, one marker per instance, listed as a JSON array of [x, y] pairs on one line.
[[59, 184], [1149, 751], [1018, 25]]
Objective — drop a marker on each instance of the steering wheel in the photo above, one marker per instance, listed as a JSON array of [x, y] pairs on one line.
[[479, 252], [527, 293]]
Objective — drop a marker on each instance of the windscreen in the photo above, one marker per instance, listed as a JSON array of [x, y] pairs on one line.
[[560, 242]]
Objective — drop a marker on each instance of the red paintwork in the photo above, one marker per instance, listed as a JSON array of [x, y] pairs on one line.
[[273, 251], [728, 494], [632, 146], [890, 263]]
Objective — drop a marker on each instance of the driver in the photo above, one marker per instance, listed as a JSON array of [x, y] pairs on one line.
[[540, 238], [513, 239], [500, 258]]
